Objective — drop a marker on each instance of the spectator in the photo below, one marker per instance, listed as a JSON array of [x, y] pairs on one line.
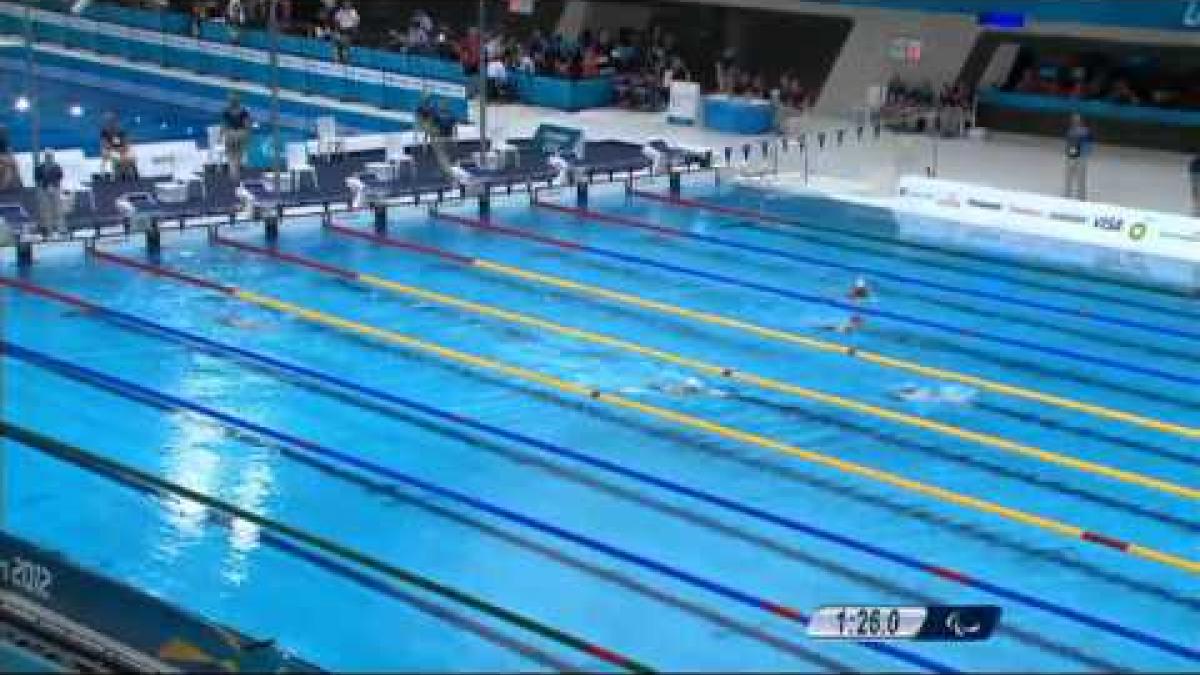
[[497, 76], [758, 87], [48, 176], [1079, 147], [345, 24], [235, 131], [1194, 169], [235, 17], [445, 121], [10, 175], [1029, 83], [1123, 93], [469, 50], [676, 71], [726, 71], [526, 63]]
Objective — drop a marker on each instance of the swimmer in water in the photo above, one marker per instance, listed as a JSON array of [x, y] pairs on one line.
[[860, 291], [851, 325], [689, 387], [235, 321], [916, 393]]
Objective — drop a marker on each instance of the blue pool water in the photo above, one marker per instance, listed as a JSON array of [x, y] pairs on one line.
[[231, 575], [75, 94], [145, 120]]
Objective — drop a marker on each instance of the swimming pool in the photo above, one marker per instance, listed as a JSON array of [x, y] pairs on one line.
[[75, 93], [666, 453], [71, 115]]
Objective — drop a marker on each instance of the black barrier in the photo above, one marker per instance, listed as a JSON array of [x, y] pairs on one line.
[[145, 624]]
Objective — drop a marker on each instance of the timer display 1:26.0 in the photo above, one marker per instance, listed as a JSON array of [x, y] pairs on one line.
[[868, 621]]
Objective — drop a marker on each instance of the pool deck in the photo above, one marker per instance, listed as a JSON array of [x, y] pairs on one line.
[[1148, 179]]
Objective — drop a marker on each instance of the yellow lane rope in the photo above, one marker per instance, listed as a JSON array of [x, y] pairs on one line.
[[986, 439], [692, 422], [845, 350]]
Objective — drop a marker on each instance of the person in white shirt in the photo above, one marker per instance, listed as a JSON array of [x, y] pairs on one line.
[[345, 24], [527, 64]]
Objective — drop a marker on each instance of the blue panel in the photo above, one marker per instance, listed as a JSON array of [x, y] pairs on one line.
[[255, 38], [739, 116], [217, 32], [564, 94], [1095, 109], [1160, 14], [1002, 20], [50, 32]]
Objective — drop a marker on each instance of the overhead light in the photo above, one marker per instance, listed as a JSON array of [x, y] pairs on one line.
[[76, 110], [22, 104]]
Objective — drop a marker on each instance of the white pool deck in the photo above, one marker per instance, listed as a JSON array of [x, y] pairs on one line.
[[1146, 179]]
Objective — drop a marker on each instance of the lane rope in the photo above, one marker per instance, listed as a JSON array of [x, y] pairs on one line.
[[808, 298], [733, 374], [290, 369], [677, 418], [872, 272], [773, 334], [319, 559], [101, 464], [136, 391]]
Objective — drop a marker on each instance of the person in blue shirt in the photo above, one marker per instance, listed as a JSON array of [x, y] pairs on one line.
[[1078, 149], [235, 131], [10, 174], [48, 176]]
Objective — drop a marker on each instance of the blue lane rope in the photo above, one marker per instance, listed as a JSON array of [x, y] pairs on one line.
[[665, 569], [219, 348], [1069, 354], [880, 273]]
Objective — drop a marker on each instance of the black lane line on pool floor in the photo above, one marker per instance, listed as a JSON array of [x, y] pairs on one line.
[[751, 216], [97, 463], [884, 291], [886, 315], [900, 337], [228, 292], [725, 250], [339, 569], [893, 440], [744, 327], [493, 315], [349, 283], [719, 588], [1075, 293], [1028, 637], [290, 373], [779, 467]]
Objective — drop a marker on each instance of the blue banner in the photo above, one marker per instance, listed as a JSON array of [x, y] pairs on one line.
[[1158, 14]]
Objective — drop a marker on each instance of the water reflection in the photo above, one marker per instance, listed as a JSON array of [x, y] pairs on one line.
[[199, 455]]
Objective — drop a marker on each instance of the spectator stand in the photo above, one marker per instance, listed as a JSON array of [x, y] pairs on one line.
[[917, 109]]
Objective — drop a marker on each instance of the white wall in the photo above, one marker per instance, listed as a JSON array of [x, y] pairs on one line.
[[946, 41], [580, 14]]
